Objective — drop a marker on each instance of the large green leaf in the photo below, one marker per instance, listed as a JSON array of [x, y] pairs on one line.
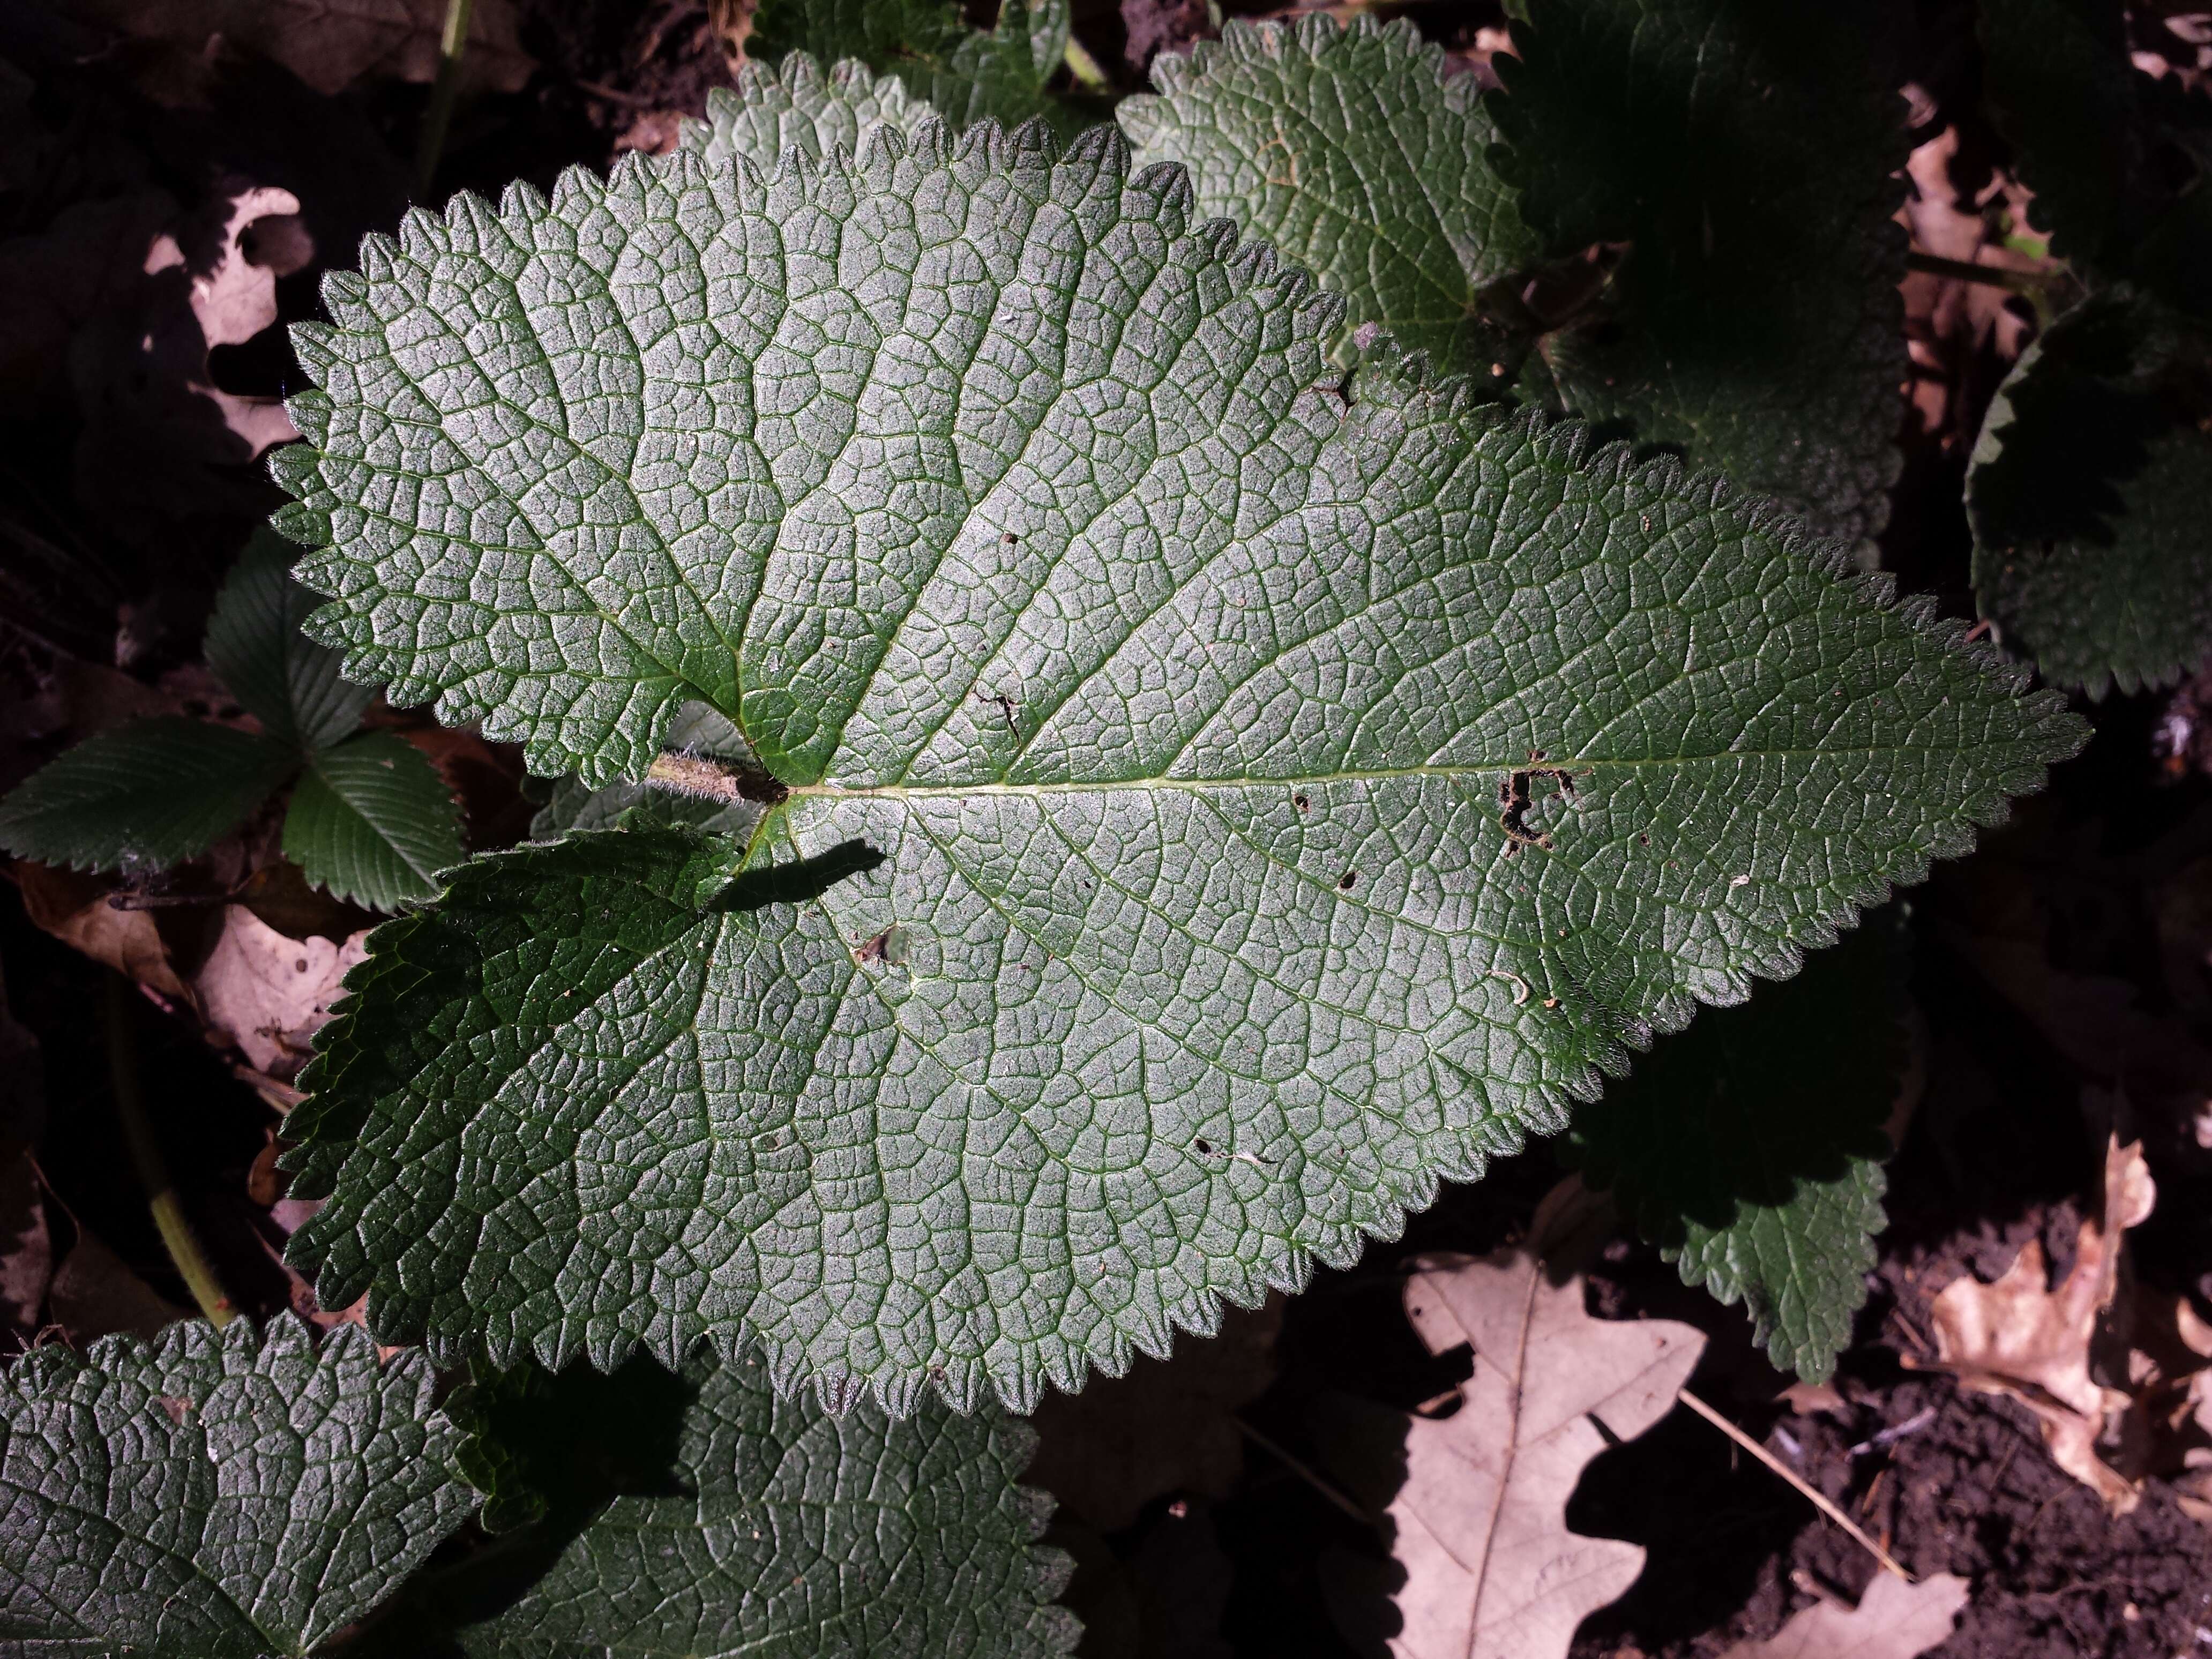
[[2090, 491], [1351, 151], [279, 676], [968, 75], [143, 796], [216, 1495], [800, 106], [372, 821], [1750, 154], [1160, 889], [1750, 1147], [2117, 160], [739, 1522]]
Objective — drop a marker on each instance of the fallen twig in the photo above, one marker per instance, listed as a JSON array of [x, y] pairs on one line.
[[1812, 1494], [1304, 1471]]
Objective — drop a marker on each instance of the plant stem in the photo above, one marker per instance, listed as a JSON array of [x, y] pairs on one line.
[[1305, 1473], [451, 46], [1811, 1493], [1963, 270], [192, 1265], [1085, 68]]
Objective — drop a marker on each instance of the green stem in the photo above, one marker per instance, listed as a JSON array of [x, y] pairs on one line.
[[1963, 271], [453, 45], [1085, 68], [191, 1264]]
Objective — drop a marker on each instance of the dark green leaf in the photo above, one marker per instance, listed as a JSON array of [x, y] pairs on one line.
[[142, 797], [2116, 160], [1350, 150], [765, 1526], [1166, 893], [1750, 1147], [968, 75], [798, 106], [216, 1496], [1748, 154], [279, 676], [372, 821], [2089, 493]]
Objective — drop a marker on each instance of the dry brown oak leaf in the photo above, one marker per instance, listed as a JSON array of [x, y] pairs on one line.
[[1492, 1571], [2022, 1338], [73, 907], [2170, 1374], [1893, 1620], [268, 993]]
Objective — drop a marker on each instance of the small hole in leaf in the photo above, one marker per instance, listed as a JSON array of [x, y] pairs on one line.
[[1348, 880]]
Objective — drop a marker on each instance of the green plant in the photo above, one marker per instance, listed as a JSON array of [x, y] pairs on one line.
[[1097, 770], [226, 1493], [2089, 484], [967, 75], [1241, 813], [369, 818]]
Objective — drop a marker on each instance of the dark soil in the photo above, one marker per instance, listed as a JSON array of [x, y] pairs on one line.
[[1733, 1551]]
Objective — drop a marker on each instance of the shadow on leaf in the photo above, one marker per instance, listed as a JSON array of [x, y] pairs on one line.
[[2082, 427], [1753, 1101], [798, 882], [550, 1452]]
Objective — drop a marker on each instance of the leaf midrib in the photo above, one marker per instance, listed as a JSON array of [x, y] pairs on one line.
[[1578, 765]]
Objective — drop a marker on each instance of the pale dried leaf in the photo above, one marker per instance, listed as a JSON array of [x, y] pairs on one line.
[[73, 907], [270, 993], [1948, 321], [2193, 1481], [232, 303], [1491, 1570], [160, 438], [1805, 1398], [1893, 1620], [2022, 1338], [2165, 1367]]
